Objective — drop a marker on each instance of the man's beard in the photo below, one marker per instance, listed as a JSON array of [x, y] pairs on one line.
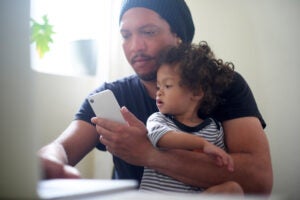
[[151, 76], [148, 77]]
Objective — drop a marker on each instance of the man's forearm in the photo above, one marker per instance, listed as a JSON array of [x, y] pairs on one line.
[[54, 163], [199, 170], [55, 152]]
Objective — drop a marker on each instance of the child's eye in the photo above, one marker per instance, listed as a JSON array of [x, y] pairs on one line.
[[168, 86]]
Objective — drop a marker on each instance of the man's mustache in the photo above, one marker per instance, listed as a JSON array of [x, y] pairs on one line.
[[140, 56]]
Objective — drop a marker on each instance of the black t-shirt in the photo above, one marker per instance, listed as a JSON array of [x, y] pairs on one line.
[[238, 101]]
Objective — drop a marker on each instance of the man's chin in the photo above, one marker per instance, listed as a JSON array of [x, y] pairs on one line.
[[147, 77]]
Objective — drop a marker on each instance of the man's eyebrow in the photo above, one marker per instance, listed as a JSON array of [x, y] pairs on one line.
[[149, 26], [125, 30]]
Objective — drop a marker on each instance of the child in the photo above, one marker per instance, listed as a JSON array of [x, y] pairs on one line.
[[190, 82]]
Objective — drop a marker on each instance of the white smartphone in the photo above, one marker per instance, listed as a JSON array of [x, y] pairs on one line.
[[105, 105]]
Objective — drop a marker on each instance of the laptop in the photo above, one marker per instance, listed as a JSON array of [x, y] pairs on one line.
[[82, 188]]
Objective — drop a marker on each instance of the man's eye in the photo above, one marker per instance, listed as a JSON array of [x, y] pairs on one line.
[[125, 36], [149, 33]]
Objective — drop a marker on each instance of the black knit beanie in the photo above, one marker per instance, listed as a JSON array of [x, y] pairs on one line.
[[175, 12]]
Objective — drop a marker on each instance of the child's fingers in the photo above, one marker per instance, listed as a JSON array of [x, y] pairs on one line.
[[230, 165], [219, 161], [220, 156], [226, 160]]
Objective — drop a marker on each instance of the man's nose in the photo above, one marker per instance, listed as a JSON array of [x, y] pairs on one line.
[[137, 44]]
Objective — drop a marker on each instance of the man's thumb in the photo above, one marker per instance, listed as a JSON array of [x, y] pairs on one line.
[[130, 117]]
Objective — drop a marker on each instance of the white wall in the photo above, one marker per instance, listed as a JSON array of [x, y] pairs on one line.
[[262, 38], [17, 138], [57, 99]]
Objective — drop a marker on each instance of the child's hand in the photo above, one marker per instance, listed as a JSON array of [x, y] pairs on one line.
[[222, 158]]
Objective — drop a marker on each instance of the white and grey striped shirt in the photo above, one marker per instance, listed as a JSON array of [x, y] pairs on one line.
[[158, 124]]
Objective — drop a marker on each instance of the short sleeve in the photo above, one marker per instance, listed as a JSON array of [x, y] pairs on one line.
[[238, 101], [157, 126]]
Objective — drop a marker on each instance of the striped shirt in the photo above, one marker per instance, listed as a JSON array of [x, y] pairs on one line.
[[158, 124]]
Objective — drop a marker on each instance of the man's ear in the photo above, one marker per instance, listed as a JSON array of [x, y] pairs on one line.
[[179, 40]]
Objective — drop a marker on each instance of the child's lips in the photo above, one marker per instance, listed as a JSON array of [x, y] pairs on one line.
[[159, 102]]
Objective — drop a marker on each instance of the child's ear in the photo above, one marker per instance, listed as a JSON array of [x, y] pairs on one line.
[[198, 95]]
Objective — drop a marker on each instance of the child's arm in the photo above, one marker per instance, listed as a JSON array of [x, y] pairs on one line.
[[182, 140]]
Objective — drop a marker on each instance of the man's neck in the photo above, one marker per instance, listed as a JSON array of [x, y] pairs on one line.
[[150, 87]]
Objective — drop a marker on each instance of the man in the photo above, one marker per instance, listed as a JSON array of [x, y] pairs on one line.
[[148, 26]]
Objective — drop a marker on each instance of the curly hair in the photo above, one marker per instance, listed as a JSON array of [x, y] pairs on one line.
[[200, 70]]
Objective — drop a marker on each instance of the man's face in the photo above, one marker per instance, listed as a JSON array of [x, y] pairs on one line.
[[144, 34]]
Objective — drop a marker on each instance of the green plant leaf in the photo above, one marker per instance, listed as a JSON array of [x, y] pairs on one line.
[[41, 35]]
